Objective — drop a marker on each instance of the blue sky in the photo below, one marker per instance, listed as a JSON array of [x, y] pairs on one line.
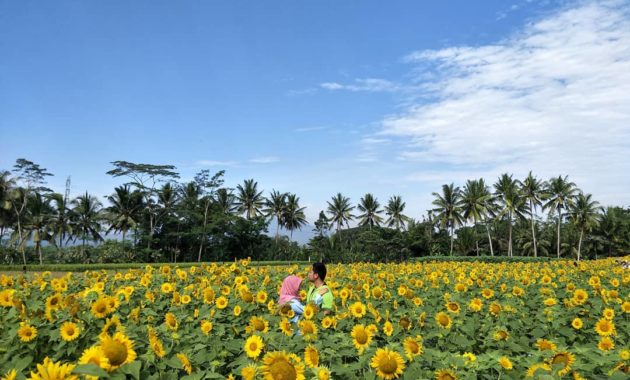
[[320, 97]]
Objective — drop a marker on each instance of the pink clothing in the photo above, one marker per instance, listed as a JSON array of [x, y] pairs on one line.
[[290, 288]]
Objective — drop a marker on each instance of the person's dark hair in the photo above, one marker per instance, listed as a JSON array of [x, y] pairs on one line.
[[320, 270]]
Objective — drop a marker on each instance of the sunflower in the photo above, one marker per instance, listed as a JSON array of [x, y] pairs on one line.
[[327, 322], [445, 374], [604, 327], [580, 296], [487, 293], [566, 359], [609, 314], [624, 355], [118, 350], [100, 308], [206, 327], [186, 299], [501, 335], [257, 324], [476, 304], [185, 362], [249, 372], [11, 375], [167, 288], [388, 328], [606, 344], [261, 296], [443, 320], [286, 327], [278, 365], [469, 356], [26, 332], [531, 371], [323, 373], [387, 363], [577, 323], [308, 329], [358, 310], [453, 307], [155, 343], [413, 347], [221, 302], [253, 346], [6, 297], [54, 302], [311, 356], [545, 345], [171, 321], [377, 292], [517, 291], [69, 331], [495, 308], [50, 370], [506, 363], [361, 337], [309, 311], [550, 301], [626, 307]]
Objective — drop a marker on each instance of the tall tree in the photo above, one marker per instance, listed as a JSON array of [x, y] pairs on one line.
[[475, 201], [560, 193], [322, 224], [371, 210], [87, 210], [62, 218], [394, 210], [248, 199], [584, 213], [293, 216], [226, 201], [38, 222], [448, 210], [146, 177], [33, 177], [512, 203], [533, 191], [124, 211], [208, 185], [340, 211], [6, 186], [275, 208]]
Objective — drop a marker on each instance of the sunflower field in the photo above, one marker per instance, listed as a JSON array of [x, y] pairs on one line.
[[433, 320]]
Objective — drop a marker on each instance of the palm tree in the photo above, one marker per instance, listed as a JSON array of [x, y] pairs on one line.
[[370, 208], [340, 211], [475, 203], [124, 212], [448, 209], [275, 207], [532, 190], [584, 213], [226, 201], [394, 209], [6, 184], [560, 195], [512, 203], [38, 222], [293, 216], [87, 210], [62, 218], [249, 200]]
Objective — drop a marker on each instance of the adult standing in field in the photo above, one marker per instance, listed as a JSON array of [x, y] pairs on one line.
[[317, 277]]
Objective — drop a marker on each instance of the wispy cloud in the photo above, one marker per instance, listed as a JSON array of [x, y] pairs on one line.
[[264, 160], [216, 163], [367, 85], [552, 98]]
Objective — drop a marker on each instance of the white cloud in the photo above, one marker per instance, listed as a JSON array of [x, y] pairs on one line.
[[367, 85], [264, 160], [553, 98]]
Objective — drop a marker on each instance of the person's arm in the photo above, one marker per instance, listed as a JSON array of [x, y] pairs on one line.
[[297, 307], [327, 303]]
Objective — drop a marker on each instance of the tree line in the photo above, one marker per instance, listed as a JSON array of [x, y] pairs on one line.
[[161, 219]]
